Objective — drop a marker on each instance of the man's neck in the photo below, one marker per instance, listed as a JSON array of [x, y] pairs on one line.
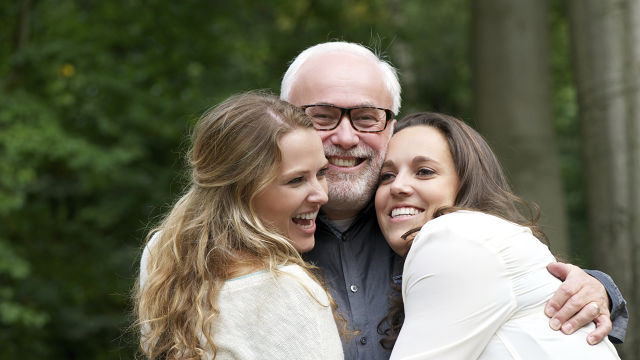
[[340, 214]]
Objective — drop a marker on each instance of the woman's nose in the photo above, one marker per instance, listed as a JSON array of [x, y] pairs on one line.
[[401, 186], [318, 192]]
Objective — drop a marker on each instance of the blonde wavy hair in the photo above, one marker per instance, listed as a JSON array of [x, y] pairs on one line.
[[213, 228]]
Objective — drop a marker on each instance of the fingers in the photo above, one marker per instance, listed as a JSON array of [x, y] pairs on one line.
[[581, 309], [560, 300], [559, 270], [567, 304], [584, 316], [580, 299], [603, 328], [591, 312]]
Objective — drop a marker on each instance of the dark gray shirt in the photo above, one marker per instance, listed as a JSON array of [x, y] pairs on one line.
[[358, 267], [619, 313]]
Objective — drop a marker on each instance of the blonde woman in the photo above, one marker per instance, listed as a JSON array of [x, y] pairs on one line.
[[221, 276]]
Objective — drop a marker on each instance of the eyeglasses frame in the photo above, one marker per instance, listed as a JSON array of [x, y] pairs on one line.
[[389, 115]]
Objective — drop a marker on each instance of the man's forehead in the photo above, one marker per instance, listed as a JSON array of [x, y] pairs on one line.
[[341, 79], [339, 62]]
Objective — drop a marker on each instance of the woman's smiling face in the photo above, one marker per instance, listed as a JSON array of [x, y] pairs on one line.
[[417, 178], [290, 203]]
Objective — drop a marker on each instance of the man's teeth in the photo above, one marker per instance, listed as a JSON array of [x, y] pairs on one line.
[[343, 162], [405, 211]]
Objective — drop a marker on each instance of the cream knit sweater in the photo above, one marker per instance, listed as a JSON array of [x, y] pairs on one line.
[[264, 315]]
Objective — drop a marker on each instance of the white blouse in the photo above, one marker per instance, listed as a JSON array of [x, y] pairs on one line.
[[474, 287]]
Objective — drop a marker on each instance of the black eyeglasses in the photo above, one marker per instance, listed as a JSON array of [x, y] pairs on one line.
[[365, 119]]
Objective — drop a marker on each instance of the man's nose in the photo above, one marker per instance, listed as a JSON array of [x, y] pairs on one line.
[[345, 135]]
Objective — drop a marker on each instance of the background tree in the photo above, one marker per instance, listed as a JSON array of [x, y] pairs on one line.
[[512, 102], [606, 53]]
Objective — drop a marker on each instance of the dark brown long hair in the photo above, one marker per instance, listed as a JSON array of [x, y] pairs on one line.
[[483, 187]]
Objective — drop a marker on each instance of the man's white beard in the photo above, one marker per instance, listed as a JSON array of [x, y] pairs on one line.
[[352, 191]]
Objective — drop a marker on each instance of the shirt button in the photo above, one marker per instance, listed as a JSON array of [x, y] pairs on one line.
[[363, 340], [354, 288]]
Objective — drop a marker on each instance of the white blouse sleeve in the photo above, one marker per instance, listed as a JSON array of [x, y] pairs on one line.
[[455, 290]]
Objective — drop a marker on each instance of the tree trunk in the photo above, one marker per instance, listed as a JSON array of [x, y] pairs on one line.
[[512, 102], [21, 38], [403, 54], [606, 47]]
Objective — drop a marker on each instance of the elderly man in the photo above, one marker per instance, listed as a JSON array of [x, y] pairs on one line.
[[335, 82]]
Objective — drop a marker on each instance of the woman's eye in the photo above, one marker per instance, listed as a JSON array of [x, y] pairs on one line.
[[425, 172], [386, 177], [323, 172], [295, 181]]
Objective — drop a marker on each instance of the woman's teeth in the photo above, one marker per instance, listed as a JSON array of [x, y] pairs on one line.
[[405, 211], [305, 220]]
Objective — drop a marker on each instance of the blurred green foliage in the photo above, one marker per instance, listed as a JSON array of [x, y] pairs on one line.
[[96, 102]]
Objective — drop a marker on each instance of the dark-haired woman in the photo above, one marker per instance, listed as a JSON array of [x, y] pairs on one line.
[[474, 282]]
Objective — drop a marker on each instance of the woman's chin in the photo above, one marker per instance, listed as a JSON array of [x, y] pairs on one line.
[[304, 244], [397, 243]]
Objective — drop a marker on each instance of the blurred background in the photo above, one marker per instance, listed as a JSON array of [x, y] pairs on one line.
[[97, 99]]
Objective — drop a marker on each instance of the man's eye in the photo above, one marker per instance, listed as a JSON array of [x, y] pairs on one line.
[[425, 172], [365, 117]]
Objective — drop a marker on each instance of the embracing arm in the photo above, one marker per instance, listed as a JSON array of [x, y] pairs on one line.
[[572, 306], [617, 306]]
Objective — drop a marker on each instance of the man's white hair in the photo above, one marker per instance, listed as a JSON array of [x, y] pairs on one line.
[[389, 72]]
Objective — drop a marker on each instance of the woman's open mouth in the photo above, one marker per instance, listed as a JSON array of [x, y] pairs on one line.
[[405, 211], [305, 221]]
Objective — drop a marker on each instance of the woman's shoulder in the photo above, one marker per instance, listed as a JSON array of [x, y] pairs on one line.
[[287, 279], [265, 308], [480, 228], [474, 224], [472, 217], [499, 236]]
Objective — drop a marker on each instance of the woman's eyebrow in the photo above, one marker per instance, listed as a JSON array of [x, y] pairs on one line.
[[293, 173], [420, 159], [387, 163]]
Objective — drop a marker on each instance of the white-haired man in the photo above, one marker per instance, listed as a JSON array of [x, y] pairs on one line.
[[339, 84]]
